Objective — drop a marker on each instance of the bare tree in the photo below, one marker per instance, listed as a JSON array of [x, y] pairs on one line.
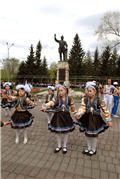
[[109, 29]]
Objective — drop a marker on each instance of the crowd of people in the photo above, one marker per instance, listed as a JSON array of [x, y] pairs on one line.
[[96, 103]]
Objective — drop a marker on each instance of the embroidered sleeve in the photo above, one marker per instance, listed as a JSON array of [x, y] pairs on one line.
[[105, 111], [3, 91], [14, 92], [12, 98], [50, 104], [29, 102], [82, 108], [73, 108]]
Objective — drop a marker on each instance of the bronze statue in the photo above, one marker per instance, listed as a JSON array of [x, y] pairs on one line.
[[62, 48]]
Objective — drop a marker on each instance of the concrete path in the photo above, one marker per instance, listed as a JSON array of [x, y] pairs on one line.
[[36, 159]]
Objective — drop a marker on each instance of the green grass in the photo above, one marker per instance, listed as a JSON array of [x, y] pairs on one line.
[[79, 90]]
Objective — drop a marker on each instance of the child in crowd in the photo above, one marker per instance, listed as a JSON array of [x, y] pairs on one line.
[[90, 119], [62, 122], [7, 103], [49, 97], [21, 118]]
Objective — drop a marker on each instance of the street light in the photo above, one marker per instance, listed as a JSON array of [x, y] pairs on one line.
[[8, 48]]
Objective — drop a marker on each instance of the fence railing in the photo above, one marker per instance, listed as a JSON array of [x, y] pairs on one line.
[[71, 78]]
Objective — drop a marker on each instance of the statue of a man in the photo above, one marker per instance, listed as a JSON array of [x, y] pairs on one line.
[[62, 48]]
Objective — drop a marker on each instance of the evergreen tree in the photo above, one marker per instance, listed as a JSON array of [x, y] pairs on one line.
[[22, 69], [118, 67], [112, 63], [104, 70], [96, 63], [30, 63], [38, 62], [76, 57], [22, 72], [44, 67], [88, 66]]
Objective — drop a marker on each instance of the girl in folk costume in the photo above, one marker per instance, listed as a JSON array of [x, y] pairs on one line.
[[49, 97], [7, 103], [90, 120], [21, 118], [28, 88], [61, 122]]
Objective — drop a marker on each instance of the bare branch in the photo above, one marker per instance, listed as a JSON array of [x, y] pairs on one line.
[[110, 25]]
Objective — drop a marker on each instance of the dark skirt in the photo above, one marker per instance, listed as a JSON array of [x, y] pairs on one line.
[[61, 122], [92, 124], [21, 119], [5, 103]]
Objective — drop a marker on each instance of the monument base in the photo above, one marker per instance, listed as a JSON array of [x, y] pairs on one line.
[[63, 73]]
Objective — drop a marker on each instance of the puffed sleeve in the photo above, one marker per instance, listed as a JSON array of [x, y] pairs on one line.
[[31, 103], [14, 93], [12, 98], [50, 104], [105, 111], [82, 108], [73, 108]]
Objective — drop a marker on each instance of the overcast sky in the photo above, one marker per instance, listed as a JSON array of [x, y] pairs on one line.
[[25, 22]]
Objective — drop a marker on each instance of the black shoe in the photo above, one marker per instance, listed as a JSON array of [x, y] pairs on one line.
[[57, 149], [64, 150], [86, 151], [91, 152]]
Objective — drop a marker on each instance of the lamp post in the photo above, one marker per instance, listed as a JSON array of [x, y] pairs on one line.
[[8, 49]]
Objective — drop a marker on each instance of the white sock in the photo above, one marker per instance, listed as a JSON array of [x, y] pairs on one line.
[[25, 136], [49, 117], [10, 113], [17, 136], [94, 143], [65, 139], [89, 144], [6, 112], [59, 140]]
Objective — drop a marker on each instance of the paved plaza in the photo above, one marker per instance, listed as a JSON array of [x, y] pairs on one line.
[[36, 159]]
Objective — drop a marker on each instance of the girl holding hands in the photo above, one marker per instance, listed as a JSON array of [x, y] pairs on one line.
[[61, 122], [90, 119]]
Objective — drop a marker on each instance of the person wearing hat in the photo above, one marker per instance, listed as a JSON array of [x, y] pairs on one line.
[[49, 97], [21, 118], [28, 88], [116, 95], [87, 85], [6, 103], [61, 122], [90, 119]]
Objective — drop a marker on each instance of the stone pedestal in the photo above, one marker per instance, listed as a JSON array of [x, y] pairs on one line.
[[63, 72]]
